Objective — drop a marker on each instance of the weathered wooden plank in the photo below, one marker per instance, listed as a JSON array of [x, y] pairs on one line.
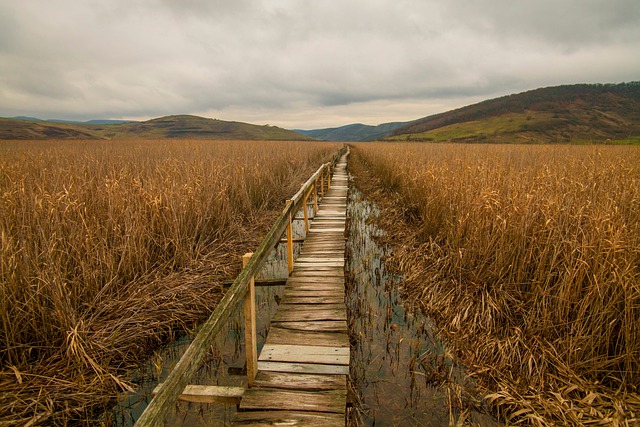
[[288, 418], [306, 315], [318, 259], [279, 335], [208, 394], [322, 289], [305, 354], [327, 230], [317, 325], [302, 268], [303, 368], [318, 280], [313, 299], [305, 291], [322, 252], [287, 380], [275, 399], [310, 273]]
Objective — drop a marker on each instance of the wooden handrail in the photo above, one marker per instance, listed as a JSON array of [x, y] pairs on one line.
[[190, 361]]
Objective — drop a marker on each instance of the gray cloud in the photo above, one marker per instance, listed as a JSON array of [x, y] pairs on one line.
[[301, 63]]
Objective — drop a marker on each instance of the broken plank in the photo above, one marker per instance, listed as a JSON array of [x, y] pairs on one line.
[[208, 394]]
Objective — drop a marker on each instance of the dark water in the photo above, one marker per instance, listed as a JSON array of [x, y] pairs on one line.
[[401, 374]]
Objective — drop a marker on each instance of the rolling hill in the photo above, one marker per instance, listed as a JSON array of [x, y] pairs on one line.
[[353, 132], [170, 127], [570, 113]]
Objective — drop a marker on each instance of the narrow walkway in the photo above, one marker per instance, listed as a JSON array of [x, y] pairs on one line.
[[303, 366]]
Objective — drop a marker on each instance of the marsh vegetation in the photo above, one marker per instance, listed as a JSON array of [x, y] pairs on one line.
[[108, 248], [528, 259]]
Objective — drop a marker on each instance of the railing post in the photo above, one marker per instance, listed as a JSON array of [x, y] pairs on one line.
[[290, 245], [250, 338], [305, 210], [315, 198], [322, 183], [329, 179]]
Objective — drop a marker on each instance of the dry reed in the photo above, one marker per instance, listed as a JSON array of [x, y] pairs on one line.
[[108, 247], [528, 257]]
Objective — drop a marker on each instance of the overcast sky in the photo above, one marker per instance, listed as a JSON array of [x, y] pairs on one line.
[[302, 63]]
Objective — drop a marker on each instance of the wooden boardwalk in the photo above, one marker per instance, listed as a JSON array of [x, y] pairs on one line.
[[303, 366]]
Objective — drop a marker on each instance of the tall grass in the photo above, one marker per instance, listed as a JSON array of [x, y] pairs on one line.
[[108, 246], [529, 259]]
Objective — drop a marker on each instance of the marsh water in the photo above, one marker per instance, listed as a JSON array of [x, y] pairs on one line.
[[400, 373]]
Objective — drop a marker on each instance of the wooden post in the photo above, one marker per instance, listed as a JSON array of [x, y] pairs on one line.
[[305, 210], [250, 337], [315, 198], [329, 179], [290, 245], [322, 184]]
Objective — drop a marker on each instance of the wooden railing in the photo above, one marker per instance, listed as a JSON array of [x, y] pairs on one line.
[[240, 291]]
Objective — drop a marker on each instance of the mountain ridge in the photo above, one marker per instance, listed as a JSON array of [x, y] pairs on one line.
[[354, 132], [567, 113], [167, 127]]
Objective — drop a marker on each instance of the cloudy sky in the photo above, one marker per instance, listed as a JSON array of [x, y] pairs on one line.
[[302, 63]]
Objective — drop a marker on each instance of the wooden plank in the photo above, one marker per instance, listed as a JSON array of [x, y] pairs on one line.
[[322, 289], [308, 314], [317, 325], [302, 268], [208, 394], [278, 335], [312, 307], [305, 354], [303, 368], [313, 299], [289, 380], [333, 401], [319, 259], [326, 291], [288, 418], [293, 281]]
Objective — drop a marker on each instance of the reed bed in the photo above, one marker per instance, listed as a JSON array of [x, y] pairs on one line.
[[528, 258], [108, 248]]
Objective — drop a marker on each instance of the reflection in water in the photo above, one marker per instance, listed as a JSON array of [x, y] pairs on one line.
[[402, 374]]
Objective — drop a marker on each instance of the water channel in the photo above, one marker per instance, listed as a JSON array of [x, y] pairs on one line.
[[401, 374]]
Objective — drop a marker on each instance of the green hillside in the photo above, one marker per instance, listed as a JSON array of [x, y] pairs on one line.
[[571, 113], [170, 127]]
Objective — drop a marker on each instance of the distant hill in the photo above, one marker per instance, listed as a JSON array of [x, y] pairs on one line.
[[88, 122], [353, 132], [570, 113], [181, 126]]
